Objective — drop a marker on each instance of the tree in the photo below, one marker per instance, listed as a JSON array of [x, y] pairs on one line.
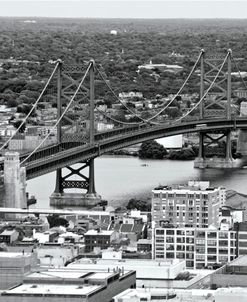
[[11, 103], [139, 205], [55, 220], [152, 149], [17, 125]]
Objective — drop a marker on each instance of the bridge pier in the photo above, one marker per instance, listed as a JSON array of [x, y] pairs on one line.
[[205, 160], [88, 199]]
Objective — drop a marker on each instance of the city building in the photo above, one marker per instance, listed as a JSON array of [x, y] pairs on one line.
[[199, 247], [9, 236], [14, 267], [149, 273], [193, 205], [65, 285], [99, 239]]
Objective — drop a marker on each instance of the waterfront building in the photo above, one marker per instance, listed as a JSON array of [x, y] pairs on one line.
[[199, 247], [193, 205]]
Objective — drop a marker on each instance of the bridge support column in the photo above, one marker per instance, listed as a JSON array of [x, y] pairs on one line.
[[208, 158], [88, 199], [14, 182]]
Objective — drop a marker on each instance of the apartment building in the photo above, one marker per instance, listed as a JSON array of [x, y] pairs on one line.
[[193, 205], [199, 247]]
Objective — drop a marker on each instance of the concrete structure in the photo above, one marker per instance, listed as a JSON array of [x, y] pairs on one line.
[[199, 247], [14, 181], [194, 205], [74, 199], [70, 285], [14, 267]]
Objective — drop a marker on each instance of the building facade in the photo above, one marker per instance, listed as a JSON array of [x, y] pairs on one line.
[[199, 247]]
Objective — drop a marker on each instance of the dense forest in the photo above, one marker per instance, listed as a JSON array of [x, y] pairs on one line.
[[34, 44]]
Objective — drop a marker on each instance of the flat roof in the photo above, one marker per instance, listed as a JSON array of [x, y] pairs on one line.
[[100, 276], [53, 289], [240, 261], [101, 232], [14, 255], [63, 274]]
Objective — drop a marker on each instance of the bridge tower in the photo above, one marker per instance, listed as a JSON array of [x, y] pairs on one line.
[[242, 136], [80, 131], [14, 182], [216, 104]]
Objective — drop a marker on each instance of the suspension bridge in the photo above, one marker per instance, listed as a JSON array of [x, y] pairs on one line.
[[74, 88]]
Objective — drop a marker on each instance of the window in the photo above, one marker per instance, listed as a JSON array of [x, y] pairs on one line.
[[169, 255], [169, 232], [212, 242], [200, 249], [169, 240], [159, 232], [223, 235]]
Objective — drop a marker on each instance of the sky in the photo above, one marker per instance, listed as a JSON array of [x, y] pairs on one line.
[[125, 8]]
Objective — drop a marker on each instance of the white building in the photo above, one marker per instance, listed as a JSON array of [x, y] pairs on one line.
[[192, 205]]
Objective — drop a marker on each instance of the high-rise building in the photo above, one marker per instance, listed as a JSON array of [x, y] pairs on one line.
[[193, 205]]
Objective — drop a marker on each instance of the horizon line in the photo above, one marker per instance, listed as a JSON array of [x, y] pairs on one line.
[[132, 18]]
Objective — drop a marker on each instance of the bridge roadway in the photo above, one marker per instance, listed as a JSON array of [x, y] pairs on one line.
[[59, 156], [54, 211]]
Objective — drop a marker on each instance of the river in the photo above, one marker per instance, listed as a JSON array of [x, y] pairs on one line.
[[120, 178]]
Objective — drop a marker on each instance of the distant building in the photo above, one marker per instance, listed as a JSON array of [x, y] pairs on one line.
[[162, 67], [241, 93], [113, 32], [130, 95]]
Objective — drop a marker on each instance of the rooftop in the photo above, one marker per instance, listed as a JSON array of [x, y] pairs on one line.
[[240, 261], [100, 232], [52, 289], [14, 255]]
